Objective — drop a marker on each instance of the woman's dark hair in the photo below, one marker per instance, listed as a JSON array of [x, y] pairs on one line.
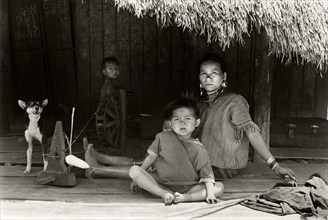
[[183, 102], [215, 58], [109, 60]]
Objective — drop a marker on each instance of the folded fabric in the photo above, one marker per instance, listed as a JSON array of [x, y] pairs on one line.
[[310, 200]]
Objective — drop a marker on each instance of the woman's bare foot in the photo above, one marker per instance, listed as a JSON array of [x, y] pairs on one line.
[[110, 160], [85, 143], [95, 153], [89, 159], [178, 197], [168, 198]]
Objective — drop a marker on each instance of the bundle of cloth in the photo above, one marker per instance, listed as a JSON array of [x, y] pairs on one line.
[[309, 200]]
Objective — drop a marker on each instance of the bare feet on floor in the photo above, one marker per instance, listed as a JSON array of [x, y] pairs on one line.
[[168, 198], [178, 197]]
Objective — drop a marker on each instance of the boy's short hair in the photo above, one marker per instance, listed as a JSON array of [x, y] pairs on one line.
[[215, 58], [183, 102], [109, 60]]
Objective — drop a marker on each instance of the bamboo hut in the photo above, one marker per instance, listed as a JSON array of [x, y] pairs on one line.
[[157, 58], [54, 48], [288, 29]]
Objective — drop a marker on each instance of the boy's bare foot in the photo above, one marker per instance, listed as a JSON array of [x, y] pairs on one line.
[[178, 197], [168, 198]]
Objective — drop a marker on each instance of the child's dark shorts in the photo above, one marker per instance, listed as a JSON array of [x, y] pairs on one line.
[[180, 189], [174, 188]]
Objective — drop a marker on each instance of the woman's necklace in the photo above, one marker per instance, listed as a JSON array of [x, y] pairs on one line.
[[213, 97]]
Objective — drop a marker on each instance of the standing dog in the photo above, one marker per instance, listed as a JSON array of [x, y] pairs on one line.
[[36, 129]]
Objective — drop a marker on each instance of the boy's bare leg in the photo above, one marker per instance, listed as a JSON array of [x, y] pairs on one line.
[[98, 170], [148, 183], [197, 193]]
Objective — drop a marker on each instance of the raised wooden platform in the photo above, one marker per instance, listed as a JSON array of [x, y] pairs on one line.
[[23, 198], [290, 153]]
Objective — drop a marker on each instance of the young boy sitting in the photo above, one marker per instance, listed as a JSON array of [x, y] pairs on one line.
[[182, 170]]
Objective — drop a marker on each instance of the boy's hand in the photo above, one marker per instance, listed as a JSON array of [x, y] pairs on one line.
[[210, 197], [212, 200], [134, 187]]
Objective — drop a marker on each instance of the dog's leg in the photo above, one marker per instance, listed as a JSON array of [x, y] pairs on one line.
[[45, 147], [29, 152], [45, 160]]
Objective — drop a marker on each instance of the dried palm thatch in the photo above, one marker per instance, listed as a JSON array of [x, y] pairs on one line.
[[294, 27]]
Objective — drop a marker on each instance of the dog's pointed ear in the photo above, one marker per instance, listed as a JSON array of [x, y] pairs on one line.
[[22, 104], [44, 103]]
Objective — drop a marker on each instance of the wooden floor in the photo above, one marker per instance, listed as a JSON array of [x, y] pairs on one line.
[[23, 198]]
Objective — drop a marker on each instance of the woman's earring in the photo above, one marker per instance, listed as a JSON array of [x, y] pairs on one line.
[[224, 84], [201, 89]]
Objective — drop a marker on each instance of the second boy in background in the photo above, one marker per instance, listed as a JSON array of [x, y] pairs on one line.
[[110, 68]]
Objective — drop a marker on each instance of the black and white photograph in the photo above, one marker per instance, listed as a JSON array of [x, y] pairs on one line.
[[164, 109]]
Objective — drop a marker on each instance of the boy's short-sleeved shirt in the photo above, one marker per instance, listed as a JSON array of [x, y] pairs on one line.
[[180, 162], [223, 124]]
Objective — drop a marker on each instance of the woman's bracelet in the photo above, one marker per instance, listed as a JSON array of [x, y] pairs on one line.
[[270, 160], [272, 163]]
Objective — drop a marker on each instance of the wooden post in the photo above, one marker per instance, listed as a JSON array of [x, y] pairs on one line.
[[122, 100], [262, 89]]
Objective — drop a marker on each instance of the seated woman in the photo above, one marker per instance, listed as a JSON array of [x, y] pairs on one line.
[[226, 126]]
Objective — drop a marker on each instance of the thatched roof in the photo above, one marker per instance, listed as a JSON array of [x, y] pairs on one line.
[[294, 27]]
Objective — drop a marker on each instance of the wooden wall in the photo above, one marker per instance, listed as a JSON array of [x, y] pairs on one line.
[[5, 70], [157, 63], [58, 45], [299, 91], [43, 51]]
